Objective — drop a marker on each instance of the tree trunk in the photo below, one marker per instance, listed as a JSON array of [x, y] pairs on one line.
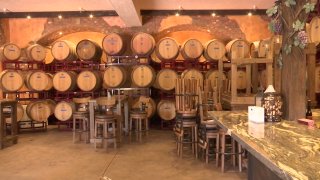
[[294, 69]]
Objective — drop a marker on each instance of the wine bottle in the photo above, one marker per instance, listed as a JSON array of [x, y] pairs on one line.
[[309, 112]]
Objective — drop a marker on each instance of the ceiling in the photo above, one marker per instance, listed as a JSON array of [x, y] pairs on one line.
[[129, 10]]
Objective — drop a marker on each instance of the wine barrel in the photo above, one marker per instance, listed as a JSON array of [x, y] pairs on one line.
[[263, 79], [64, 81], [214, 50], [113, 44], [20, 112], [9, 52], [213, 76], [191, 49], [192, 74], [166, 110], [50, 82], [11, 80], [36, 52], [116, 76], [237, 49], [64, 50], [241, 79], [142, 44], [88, 50], [89, 80], [155, 59], [39, 110], [142, 76], [167, 49], [166, 79], [151, 106], [37, 80], [260, 49], [314, 30], [317, 79], [63, 110]]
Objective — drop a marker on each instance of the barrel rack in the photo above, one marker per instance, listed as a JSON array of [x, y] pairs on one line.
[[27, 125]]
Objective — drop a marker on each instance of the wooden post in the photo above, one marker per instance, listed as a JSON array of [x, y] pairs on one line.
[[293, 79], [311, 68], [248, 77], [254, 78]]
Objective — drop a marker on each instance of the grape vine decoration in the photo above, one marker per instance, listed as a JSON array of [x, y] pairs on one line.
[[297, 35]]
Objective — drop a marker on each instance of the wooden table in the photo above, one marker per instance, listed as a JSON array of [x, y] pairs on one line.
[[124, 116], [4, 137], [283, 150]]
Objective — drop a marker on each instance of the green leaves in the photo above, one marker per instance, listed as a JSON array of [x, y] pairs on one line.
[[287, 48], [272, 11], [298, 25], [309, 7], [289, 3], [271, 26]]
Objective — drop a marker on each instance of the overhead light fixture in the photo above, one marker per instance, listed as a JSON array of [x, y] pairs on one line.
[[91, 16], [249, 14], [213, 14], [60, 33], [60, 16], [28, 17], [177, 14]]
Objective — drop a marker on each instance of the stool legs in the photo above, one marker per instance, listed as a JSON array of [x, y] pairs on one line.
[[106, 135], [223, 146], [217, 149]]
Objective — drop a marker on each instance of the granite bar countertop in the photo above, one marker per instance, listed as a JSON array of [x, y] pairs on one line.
[[289, 149]]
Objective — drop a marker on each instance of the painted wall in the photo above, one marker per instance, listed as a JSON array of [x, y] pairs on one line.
[[47, 30]]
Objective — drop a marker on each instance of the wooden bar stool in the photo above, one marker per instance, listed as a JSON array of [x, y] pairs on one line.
[[209, 133], [81, 119], [139, 117], [104, 120], [186, 131], [12, 136], [234, 151]]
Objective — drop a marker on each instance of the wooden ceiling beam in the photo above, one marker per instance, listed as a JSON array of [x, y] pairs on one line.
[[128, 12]]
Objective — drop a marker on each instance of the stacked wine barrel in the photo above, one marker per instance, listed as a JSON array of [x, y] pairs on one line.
[[167, 49]]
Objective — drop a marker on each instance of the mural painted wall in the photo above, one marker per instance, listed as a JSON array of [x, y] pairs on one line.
[[47, 30]]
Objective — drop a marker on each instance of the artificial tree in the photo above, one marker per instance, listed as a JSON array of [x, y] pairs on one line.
[[288, 19]]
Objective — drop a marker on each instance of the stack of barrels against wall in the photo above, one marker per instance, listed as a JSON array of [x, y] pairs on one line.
[[117, 76]]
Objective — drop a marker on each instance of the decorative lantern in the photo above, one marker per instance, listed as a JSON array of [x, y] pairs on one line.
[[272, 104]]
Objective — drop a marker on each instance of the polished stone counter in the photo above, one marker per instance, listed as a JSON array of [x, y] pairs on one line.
[[289, 149]]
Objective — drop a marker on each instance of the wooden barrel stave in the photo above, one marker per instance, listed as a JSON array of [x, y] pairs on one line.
[[9, 52], [313, 30], [166, 79], [213, 76], [37, 80], [166, 110], [167, 49], [238, 49], [65, 81], [142, 44], [191, 49], [88, 50], [64, 110], [89, 80], [11, 80], [241, 79], [113, 44], [116, 76], [36, 53], [64, 50], [39, 110], [192, 74], [143, 76], [214, 50]]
